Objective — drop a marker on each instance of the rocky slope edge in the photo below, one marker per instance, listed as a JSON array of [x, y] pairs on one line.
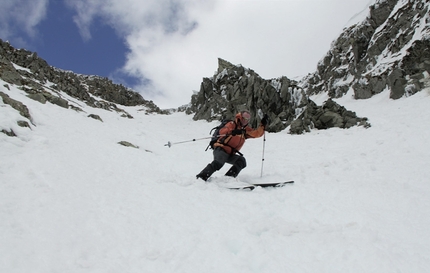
[[43, 82], [389, 50], [234, 88]]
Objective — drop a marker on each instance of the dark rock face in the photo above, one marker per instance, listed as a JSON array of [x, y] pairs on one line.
[[389, 50], [329, 115], [234, 88]]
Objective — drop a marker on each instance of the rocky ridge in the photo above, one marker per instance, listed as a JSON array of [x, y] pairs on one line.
[[389, 50], [41, 82], [44, 83], [234, 88]]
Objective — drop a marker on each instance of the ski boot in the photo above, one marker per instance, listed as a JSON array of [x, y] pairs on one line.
[[205, 173]]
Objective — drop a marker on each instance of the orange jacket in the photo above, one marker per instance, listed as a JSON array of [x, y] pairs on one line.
[[231, 143]]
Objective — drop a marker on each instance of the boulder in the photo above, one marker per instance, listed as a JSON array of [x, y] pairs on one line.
[[96, 117], [17, 105], [128, 144]]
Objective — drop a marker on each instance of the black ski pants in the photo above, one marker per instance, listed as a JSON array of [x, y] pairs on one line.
[[221, 157]]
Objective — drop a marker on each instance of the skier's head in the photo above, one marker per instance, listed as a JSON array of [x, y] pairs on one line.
[[244, 117]]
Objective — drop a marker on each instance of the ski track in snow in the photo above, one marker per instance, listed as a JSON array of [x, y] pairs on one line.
[[73, 200]]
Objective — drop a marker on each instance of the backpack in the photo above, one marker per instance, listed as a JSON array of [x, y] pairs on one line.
[[215, 134]]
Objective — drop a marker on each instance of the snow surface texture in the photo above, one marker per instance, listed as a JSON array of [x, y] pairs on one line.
[[73, 200]]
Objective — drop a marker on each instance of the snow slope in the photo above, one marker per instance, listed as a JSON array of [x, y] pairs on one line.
[[73, 200]]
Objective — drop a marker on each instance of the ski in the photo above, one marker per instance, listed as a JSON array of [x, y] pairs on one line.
[[252, 186]]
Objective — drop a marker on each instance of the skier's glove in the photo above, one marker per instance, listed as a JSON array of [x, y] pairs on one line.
[[265, 120]]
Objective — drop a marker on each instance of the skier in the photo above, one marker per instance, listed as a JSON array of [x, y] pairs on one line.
[[231, 139]]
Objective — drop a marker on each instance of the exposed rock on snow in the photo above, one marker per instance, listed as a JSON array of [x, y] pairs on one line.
[[234, 88], [24, 68], [390, 50]]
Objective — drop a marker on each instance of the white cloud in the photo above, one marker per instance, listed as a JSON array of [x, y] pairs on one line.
[[158, 36], [274, 38], [24, 14], [86, 12]]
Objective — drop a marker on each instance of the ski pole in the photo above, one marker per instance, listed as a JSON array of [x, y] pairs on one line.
[[262, 159], [169, 144]]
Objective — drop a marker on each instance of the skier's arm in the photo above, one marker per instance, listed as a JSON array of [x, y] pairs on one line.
[[254, 133]]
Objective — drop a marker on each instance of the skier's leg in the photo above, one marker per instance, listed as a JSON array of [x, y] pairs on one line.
[[220, 157], [238, 162], [206, 172]]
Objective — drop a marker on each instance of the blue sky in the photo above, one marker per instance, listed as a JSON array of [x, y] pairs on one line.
[[163, 48], [61, 44]]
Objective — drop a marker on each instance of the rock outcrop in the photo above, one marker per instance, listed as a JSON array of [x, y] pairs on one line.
[[234, 88], [389, 50]]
